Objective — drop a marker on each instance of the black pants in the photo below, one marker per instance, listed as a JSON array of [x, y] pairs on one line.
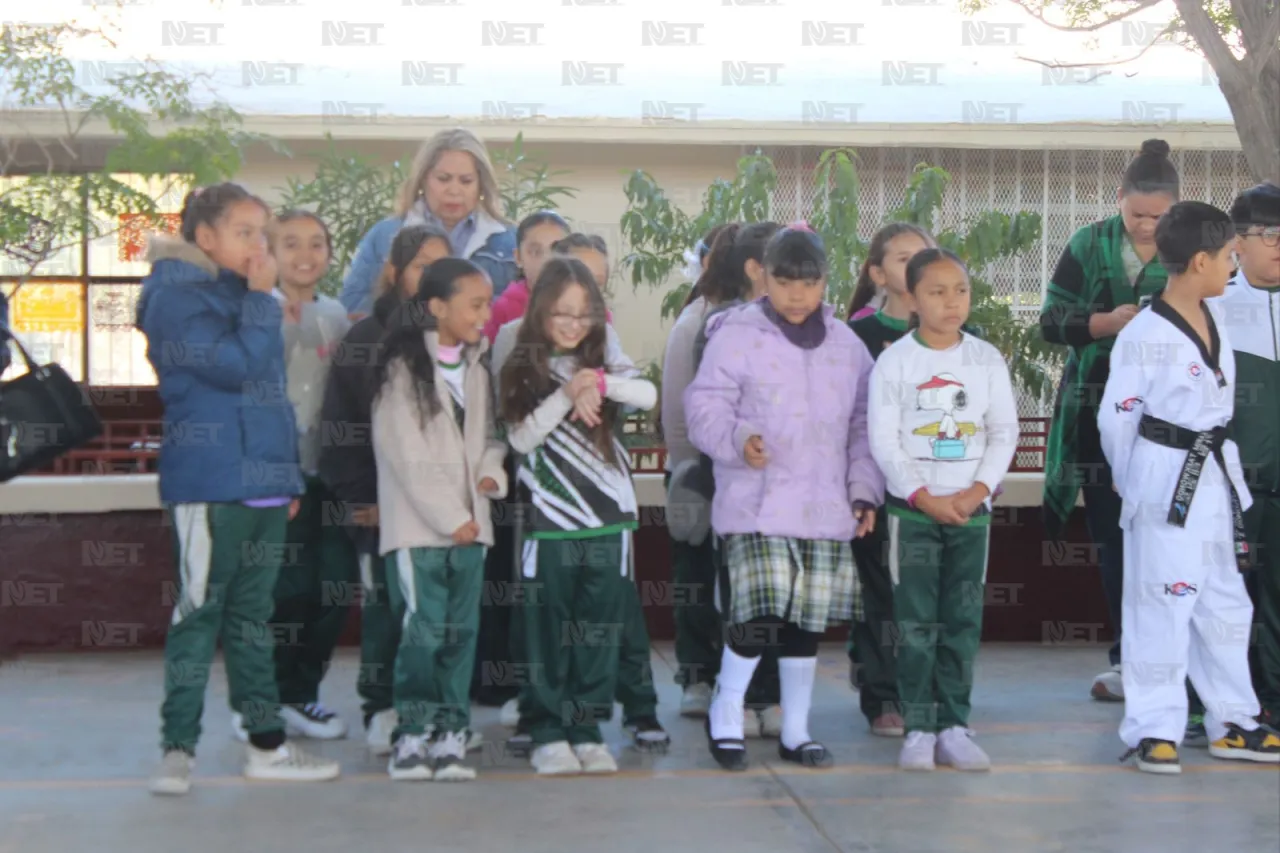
[[1102, 515], [871, 641], [498, 678]]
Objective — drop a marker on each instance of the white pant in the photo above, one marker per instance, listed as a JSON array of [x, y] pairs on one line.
[[1185, 612]]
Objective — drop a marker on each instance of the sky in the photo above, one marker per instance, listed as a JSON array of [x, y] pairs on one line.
[[751, 60]]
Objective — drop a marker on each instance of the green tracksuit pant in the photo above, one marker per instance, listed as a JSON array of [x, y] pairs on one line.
[[227, 557], [871, 641], [573, 631], [379, 632], [313, 594], [699, 630], [939, 575], [438, 591]]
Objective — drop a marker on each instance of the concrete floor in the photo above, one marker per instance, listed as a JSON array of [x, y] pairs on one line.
[[78, 735]]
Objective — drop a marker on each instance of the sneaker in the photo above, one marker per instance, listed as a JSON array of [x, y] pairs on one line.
[[595, 758], [556, 759], [312, 720], [695, 700], [288, 763], [173, 776], [889, 725], [237, 727], [410, 762], [475, 741], [1195, 735], [1261, 745], [509, 716], [1155, 756], [446, 753], [917, 751], [647, 734], [770, 722], [378, 733], [1108, 686], [956, 748]]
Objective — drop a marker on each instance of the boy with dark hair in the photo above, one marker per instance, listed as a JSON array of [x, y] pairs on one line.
[[1164, 423]]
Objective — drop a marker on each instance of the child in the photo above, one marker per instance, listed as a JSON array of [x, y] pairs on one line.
[[1163, 422], [348, 469], [1254, 293], [698, 625], [320, 562], [534, 237], [695, 486], [779, 404], [214, 340], [882, 283], [438, 465], [561, 407], [944, 428]]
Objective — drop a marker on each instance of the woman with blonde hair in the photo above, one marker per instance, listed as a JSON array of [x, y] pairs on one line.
[[452, 185]]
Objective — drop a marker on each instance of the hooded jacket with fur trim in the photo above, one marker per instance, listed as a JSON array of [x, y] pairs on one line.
[[218, 354]]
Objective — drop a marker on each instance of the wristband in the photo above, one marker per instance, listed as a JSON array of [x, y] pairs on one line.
[[601, 385]]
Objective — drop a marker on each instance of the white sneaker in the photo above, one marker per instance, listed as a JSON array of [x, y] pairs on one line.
[[288, 763], [475, 741], [237, 727], [509, 716], [695, 700], [956, 748], [556, 759], [917, 751], [173, 776], [410, 761], [770, 721], [1108, 686], [595, 758], [314, 721], [447, 752], [378, 735]]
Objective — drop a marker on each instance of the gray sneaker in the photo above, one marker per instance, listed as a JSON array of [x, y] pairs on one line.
[[409, 759], [173, 776], [446, 753]]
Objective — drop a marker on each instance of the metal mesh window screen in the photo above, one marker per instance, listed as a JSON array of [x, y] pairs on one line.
[[1069, 189]]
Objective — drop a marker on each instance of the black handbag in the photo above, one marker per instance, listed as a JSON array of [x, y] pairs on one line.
[[43, 414]]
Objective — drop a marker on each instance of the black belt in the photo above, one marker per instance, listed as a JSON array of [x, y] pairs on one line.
[[1199, 446]]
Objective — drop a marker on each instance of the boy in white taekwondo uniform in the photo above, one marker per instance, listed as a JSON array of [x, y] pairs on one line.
[[1163, 421]]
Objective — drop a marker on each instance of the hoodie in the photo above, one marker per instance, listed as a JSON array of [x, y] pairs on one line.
[[309, 344], [218, 354], [507, 307]]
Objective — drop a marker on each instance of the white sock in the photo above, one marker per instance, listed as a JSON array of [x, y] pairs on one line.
[[796, 676], [725, 712]]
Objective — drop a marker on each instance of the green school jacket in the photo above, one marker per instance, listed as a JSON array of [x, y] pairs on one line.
[[1090, 278]]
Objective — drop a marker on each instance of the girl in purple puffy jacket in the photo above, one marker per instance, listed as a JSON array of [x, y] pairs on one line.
[[780, 406]]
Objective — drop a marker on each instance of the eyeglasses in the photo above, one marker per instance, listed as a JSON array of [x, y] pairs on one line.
[[1270, 235], [568, 321]]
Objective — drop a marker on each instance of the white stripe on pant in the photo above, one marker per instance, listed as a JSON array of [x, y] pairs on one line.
[[195, 556]]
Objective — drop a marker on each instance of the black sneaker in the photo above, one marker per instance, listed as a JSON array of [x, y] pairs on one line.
[[410, 761], [520, 744], [647, 734], [1261, 745], [1155, 756], [446, 752]]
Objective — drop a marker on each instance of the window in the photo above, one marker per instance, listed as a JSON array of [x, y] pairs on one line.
[[78, 308]]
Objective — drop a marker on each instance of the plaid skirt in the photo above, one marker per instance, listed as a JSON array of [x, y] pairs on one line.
[[811, 582]]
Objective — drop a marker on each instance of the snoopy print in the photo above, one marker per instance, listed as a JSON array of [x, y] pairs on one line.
[[948, 437]]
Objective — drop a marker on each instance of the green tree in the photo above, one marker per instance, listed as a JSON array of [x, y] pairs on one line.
[[164, 141], [659, 232], [1240, 39], [525, 184]]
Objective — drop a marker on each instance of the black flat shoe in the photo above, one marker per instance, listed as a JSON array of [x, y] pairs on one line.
[[729, 753], [808, 754]]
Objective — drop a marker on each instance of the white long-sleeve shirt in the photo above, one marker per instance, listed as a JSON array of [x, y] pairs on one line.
[[942, 420]]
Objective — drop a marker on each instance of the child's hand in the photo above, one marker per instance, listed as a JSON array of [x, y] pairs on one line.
[[968, 501], [753, 452], [366, 516], [487, 486], [866, 519], [466, 534], [586, 407], [294, 506], [941, 510], [262, 273], [582, 381]]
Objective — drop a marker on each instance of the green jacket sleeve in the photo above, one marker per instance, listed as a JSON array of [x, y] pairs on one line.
[[1064, 318]]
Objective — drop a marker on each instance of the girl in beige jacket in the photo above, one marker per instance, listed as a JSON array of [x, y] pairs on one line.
[[439, 464]]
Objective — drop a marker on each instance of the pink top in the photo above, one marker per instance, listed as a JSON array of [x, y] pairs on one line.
[[507, 307], [865, 311], [449, 355]]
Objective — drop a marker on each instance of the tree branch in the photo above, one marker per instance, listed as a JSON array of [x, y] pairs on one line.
[[1133, 58], [1139, 6], [1203, 29], [1260, 32]]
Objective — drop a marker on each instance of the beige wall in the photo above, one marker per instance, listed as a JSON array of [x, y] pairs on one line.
[[598, 172]]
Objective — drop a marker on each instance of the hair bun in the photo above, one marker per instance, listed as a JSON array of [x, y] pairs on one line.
[[1155, 148]]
